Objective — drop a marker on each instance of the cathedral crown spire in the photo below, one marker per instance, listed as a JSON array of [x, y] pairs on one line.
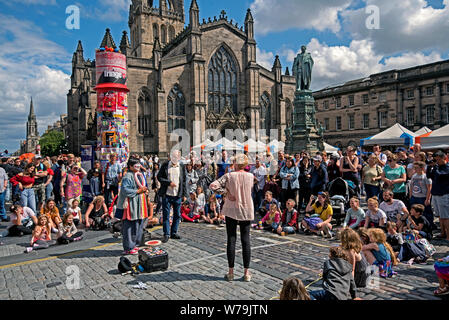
[[277, 63], [79, 48], [31, 115], [108, 41], [194, 5]]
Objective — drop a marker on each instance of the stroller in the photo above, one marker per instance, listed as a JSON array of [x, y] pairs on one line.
[[340, 192]]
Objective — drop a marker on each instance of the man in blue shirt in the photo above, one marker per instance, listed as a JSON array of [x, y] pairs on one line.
[[223, 165], [439, 173]]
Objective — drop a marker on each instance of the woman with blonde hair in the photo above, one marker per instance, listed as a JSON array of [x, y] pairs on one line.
[[238, 210], [97, 214]]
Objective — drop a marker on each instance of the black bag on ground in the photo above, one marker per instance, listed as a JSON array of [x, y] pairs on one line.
[[362, 272], [125, 265], [98, 224], [413, 250], [153, 259]]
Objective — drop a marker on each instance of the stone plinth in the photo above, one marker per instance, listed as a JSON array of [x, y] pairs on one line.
[[304, 135]]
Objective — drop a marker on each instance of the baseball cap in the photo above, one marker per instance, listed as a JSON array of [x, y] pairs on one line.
[[401, 149], [317, 158]]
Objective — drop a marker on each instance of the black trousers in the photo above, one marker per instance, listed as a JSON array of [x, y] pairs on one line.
[[14, 230], [231, 230], [304, 196]]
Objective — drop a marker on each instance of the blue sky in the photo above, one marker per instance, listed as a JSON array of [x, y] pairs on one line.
[[36, 51]]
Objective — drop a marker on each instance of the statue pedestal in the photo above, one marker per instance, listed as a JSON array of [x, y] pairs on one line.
[[304, 135]]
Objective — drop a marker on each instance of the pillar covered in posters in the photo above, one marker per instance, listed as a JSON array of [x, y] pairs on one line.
[[112, 105]]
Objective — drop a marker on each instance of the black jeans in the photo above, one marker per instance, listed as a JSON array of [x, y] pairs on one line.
[[231, 230], [14, 230], [304, 196]]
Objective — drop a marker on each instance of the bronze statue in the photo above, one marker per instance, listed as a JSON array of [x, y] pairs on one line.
[[302, 69]]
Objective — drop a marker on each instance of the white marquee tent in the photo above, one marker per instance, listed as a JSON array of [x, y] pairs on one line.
[[438, 139], [396, 135]]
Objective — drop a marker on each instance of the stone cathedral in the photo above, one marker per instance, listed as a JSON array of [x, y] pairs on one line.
[[204, 71]]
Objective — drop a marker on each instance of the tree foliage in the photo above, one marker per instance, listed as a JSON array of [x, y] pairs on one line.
[[53, 143]]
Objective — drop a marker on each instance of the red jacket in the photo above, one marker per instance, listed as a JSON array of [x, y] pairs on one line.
[[185, 210], [293, 222]]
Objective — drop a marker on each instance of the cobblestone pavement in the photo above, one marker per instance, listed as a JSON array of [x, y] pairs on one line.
[[197, 266]]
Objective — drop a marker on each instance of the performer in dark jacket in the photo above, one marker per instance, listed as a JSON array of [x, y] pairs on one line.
[[172, 178]]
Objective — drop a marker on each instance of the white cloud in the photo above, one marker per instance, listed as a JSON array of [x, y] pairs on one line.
[[406, 25], [30, 65], [280, 15], [338, 64], [265, 58], [112, 10]]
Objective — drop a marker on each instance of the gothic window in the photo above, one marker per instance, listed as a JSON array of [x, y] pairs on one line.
[[163, 34], [155, 31], [171, 33], [144, 115], [176, 109], [222, 82], [265, 113]]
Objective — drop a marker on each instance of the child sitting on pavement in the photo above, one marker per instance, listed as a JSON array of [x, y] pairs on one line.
[[187, 213], [293, 289], [272, 219], [41, 238], [75, 210], [418, 223], [69, 231], [320, 221], [375, 217], [289, 219], [338, 281], [378, 252], [355, 216], [394, 238]]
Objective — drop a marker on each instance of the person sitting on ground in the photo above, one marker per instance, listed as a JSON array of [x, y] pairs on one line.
[[394, 238], [200, 202], [272, 219], [52, 213], [97, 214], [75, 210], [289, 219], [351, 243], [23, 221], [338, 282], [69, 231], [378, 252], [418, 223], [320, 221], [266, 203], [41, 238], [214, 215], [293, 289], [355, 216], [187, 214], [375, 217], [152, 219], [395, 210]]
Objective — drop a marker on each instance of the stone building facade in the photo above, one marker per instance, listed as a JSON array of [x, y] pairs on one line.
[[205, 72], [414, 97], [32, 135]]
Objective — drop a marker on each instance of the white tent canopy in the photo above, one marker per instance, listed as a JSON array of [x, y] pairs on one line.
[[255, 146], [206, 143], [421, 131], [438, 139], [276, 145], [395, 135], [330, 149], [225, 144]]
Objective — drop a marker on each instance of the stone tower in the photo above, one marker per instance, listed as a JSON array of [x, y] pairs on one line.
[[32, 139], [148, 23]]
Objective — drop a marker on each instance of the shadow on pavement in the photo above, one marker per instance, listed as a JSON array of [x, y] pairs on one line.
[[173, 276]]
